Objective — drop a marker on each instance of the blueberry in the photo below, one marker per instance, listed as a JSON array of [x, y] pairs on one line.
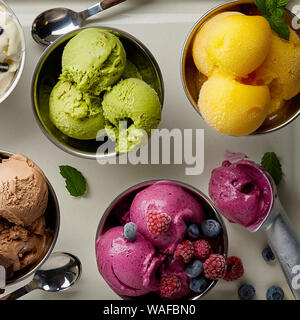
[[193, 231], [194, 269], [275, 293], [268, 254], [130, 230], [198, 285], [211, 228], [4, 66], [246, 292]]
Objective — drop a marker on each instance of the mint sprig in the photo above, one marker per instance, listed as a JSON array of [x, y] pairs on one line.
[[75, 181], [272, 165], [273, 11]]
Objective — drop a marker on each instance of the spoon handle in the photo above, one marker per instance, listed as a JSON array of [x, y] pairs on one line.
[[103, 5], [17, 294]]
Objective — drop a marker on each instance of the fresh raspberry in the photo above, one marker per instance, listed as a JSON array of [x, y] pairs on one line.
[[234, 269], [158, 223], [202, 249], [214, 267], [184, 251], [169, 284], [217, 244]]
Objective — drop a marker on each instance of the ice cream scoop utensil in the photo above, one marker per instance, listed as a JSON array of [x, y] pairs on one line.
[[283, 240], [58, 273], [286, 245], [53, 23]]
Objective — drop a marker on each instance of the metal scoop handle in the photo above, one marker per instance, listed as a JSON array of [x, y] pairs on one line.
[[18, 293], [285, 245], [103, 5]]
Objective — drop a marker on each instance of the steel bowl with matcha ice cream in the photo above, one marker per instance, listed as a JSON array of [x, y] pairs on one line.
[[99, 87]]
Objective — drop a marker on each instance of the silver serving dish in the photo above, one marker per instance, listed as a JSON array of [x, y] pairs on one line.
[[192, 79], [52, 216], [46, 75]]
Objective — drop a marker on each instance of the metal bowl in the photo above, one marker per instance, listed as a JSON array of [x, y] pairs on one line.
[[193, 80], [52, 216], [18, 73], [46, 75], [120, 204]]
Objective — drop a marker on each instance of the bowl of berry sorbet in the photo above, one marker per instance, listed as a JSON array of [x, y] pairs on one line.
[[161, 239]]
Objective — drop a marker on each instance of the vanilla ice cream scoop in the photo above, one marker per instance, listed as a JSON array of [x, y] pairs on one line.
[[23, 190], [10, 48]]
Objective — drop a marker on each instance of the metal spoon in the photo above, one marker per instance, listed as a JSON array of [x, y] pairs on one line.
[[282, 238], [58, 273], [53, 23]]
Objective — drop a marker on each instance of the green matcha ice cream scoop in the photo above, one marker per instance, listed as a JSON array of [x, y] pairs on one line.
[[134, 101], [77, 114], [94, 59]]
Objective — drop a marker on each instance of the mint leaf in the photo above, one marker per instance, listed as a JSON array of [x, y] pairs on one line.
[[278, 12], [273, 11], [75, 181], [261, 5], [271, 5], [279, 25], [271, 164], [282, 3]]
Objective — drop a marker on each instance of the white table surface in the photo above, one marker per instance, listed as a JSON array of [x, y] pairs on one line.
[[162, 25]]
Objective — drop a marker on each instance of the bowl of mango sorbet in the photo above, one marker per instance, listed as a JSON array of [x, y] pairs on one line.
[[240, 75]]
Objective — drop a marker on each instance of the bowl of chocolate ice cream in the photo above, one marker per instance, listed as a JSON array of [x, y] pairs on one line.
[[29, 216]]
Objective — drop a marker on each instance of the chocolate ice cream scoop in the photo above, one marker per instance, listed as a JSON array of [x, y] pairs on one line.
[[23, 190], [22, 247]]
